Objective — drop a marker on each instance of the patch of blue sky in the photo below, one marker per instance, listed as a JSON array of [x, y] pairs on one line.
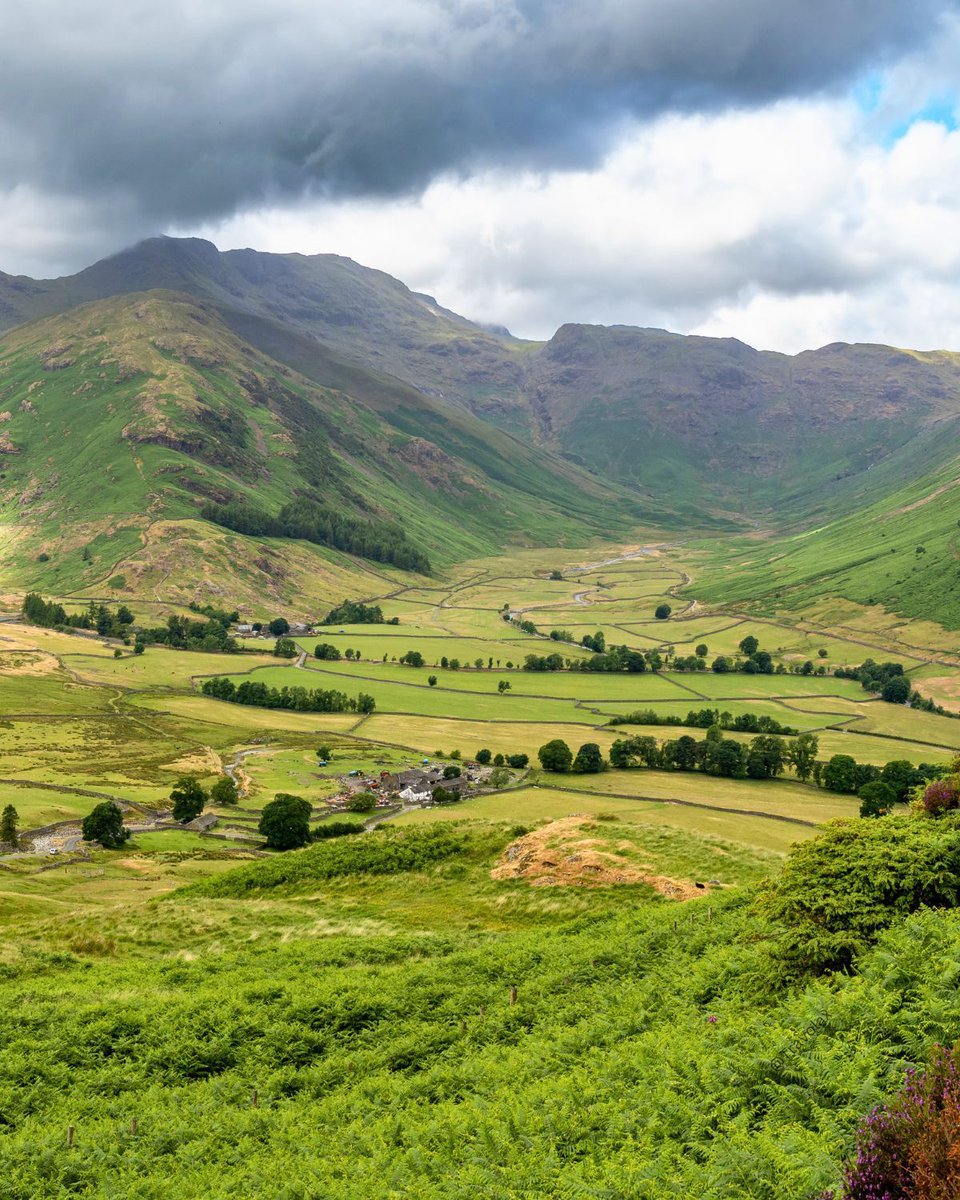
[[938, 110], [867, 92], [871, 96]]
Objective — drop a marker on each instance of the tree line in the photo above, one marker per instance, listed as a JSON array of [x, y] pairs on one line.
[[767, 756], [181, 633], [298, 699], [705, 717], [323, 525]]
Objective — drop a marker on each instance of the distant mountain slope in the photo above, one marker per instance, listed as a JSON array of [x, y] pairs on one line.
[[148, 408], [716, 423], [703, 428]]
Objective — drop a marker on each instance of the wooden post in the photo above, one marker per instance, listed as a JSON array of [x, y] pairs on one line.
[[710, 912], [483, 1012], [255, 1098], [69, 1136], [133, 1126], [513, 995]]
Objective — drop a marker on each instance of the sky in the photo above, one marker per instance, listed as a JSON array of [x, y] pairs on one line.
[[782, 171]]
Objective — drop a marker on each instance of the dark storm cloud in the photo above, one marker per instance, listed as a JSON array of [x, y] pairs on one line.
[[187, 111]]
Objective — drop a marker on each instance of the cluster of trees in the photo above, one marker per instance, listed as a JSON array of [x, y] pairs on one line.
[[189, 796], [517, 761], [521, 623], [285, 647], [224, 616], [889, 682], [323, 525], [353, 612], [704, 718], [766, 756], [182, 633], [327, 652], [106, 621], [556, 755], [842, 773], [298, 699]]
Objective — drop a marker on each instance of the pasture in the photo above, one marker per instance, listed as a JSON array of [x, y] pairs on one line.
[[77, 716]]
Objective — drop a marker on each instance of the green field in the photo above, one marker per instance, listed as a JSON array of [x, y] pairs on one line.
[[127, 725]]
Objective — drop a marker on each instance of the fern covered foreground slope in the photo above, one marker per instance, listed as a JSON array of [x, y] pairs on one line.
[[411, 1033]]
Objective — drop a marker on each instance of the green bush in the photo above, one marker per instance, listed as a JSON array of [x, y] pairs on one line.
[[335, 829], [838, 891]]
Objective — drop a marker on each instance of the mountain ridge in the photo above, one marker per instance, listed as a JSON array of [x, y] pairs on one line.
[[474, 439]]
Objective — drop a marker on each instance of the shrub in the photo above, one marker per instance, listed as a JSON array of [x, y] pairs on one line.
[[362, 802], [483, 757], [940, 796], [910, 1149], [662, 611], [837, 892], [384, 852], [335, 829]]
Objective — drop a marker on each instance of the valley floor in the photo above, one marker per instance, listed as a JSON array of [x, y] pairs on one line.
[[79, 723]]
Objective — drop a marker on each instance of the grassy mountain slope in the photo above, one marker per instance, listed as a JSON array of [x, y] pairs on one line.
[[706, 433], [900, 551], [707, 426], [365, 315], [139, 409]]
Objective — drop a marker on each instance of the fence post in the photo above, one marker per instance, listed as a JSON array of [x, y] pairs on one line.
[[255, 1098], [69, 1136], [513, 995]]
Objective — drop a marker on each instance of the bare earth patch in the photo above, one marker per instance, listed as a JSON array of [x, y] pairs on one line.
[[558, 855], [944, 689], [205, 762], [26, 662]]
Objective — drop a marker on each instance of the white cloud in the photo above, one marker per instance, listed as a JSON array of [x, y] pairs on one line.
[[787, 227]]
